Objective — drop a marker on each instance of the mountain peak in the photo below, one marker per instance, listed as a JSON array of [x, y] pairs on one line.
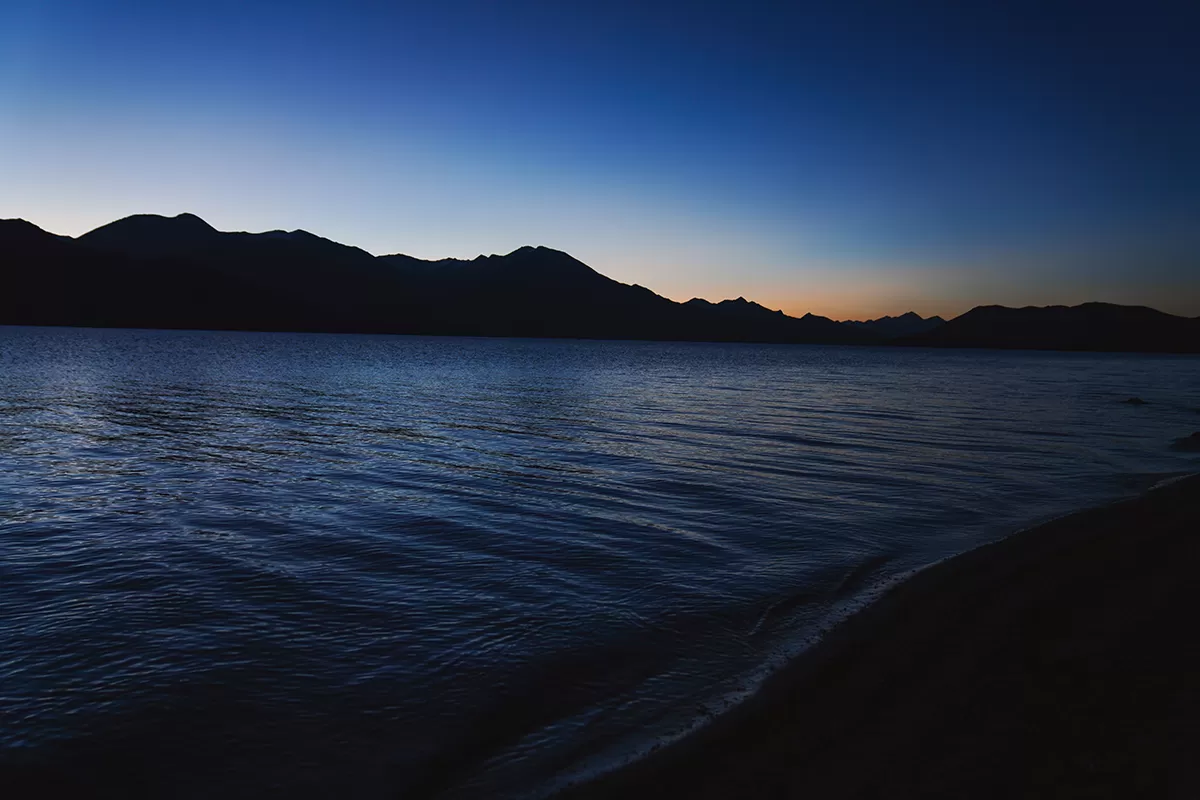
[[544, 262], [538, 250], [299, 233], [186, 220], [191, 219], [17, 223], [909, 323], [25, 231], [153, 225]]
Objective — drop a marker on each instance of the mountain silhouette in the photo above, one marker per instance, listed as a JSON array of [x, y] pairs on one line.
[[1091, 326], [55, 280], [180, 272], [910, 324], [153, 271]]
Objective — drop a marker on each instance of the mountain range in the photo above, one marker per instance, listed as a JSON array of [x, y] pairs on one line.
[[152, 271], [910, 324]]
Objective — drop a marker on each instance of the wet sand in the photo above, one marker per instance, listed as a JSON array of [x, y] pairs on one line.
[[1063, 661]]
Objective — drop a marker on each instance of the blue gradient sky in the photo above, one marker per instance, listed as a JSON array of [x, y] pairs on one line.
[[849, 162]]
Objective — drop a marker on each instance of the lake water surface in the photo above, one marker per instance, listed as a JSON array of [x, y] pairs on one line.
[[259, 565]]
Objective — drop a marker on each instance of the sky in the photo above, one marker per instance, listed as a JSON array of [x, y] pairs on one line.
[[847, 159]]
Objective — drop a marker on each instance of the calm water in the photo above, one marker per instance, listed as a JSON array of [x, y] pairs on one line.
[[290, 565]]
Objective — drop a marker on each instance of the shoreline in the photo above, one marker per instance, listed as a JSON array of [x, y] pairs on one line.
[[885, 344], [1056, 661]]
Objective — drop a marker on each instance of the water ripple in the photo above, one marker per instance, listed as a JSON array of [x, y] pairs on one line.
[[284, 565]]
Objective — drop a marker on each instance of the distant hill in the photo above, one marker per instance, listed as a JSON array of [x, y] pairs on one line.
[[180, 272], [910, 324], [1091, 326]]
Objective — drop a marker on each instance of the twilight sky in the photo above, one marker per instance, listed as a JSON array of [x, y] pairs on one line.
[[849, 159]]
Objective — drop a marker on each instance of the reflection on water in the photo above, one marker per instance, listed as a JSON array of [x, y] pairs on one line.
[[284, 564]]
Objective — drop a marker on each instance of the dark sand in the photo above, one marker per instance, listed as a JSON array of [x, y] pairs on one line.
[[1061, 662]]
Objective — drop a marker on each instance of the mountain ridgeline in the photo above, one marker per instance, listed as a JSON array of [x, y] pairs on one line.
[[179, 272], [910, 324], [149, 271]]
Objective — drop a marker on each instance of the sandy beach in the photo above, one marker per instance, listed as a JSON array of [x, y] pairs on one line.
[[1060, 662]]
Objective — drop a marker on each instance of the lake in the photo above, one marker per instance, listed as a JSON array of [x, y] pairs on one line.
[[304, 565]]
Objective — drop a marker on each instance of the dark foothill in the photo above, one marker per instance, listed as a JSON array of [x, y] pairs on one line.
[[1135, 401], [1090, 326]]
